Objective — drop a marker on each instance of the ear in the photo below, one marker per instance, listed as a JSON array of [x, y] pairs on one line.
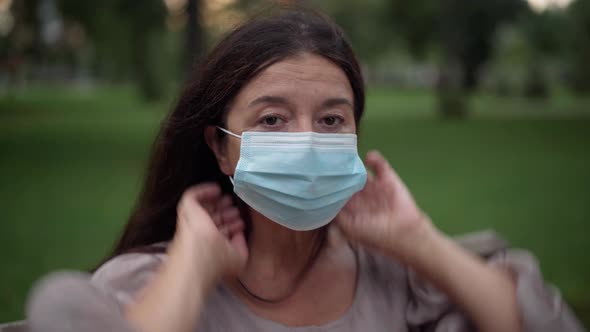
[[216, 145]]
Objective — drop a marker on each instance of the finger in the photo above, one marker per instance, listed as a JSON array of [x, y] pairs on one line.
[[224, 230], [370, 178], [215, 208], [384, 171], [230, 214], [236, 226], [194, 198], [188, 209], [343, 221], [239, 243], [379, 165], [216, 217], [203, 191], [208, 196], [224, 203]]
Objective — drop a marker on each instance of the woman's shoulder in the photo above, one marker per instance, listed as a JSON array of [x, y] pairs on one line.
[[386, 272], [541, 304], [486, 244], [403, 287], [128, 273]]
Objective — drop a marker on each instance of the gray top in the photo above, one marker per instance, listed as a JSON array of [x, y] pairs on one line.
[[388, 297]]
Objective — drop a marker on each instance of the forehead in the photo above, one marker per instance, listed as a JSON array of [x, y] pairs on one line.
[[305, 75]]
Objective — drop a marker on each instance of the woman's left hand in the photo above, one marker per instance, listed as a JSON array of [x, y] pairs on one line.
[[384, 215]]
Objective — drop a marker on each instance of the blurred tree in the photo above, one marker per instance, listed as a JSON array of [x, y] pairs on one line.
[[463, 30], [536, 85], [545, 30], [417, 22], [367, 24], [22, 42], [125, 34], [146, 21], [467, 30], [579, 57], [545, 38], [195, 36]]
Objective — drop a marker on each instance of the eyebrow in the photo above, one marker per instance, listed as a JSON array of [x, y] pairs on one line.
[[330, 102], [269, 100]]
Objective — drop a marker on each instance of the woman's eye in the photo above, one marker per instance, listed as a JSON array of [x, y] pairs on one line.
[[331, 120], [271, 120]]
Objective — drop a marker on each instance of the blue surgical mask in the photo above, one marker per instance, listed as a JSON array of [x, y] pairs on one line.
[[299, 180]]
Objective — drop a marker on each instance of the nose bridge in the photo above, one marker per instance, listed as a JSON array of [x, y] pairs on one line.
[[304, 119]]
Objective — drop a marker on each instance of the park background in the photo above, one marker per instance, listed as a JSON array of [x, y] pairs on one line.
[[483, 107]]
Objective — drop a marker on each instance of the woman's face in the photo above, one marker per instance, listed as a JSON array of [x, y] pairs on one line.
[[298, 94]]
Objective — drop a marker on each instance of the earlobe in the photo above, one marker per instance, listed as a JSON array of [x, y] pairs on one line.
[[215, 145]]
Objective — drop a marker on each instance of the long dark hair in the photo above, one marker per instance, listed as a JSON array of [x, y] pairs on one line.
[[180, 157]]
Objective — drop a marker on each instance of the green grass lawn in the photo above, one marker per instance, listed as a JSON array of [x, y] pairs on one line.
[[71, 163]]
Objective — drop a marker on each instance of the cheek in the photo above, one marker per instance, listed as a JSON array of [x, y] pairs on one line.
[[233, 154]]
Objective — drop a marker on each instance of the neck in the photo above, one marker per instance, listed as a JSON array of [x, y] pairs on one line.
[[275, 249], [278, 257]]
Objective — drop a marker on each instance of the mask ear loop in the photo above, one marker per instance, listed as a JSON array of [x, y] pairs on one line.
[[228, 132]]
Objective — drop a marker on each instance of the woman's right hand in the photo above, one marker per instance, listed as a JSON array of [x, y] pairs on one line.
[[208, 245], [209, 232]]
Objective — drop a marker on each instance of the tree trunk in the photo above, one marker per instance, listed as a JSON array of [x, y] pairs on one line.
[[451, 96], [145, 72]]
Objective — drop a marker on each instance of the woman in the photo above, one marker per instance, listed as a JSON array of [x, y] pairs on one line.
[[258, 215]]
